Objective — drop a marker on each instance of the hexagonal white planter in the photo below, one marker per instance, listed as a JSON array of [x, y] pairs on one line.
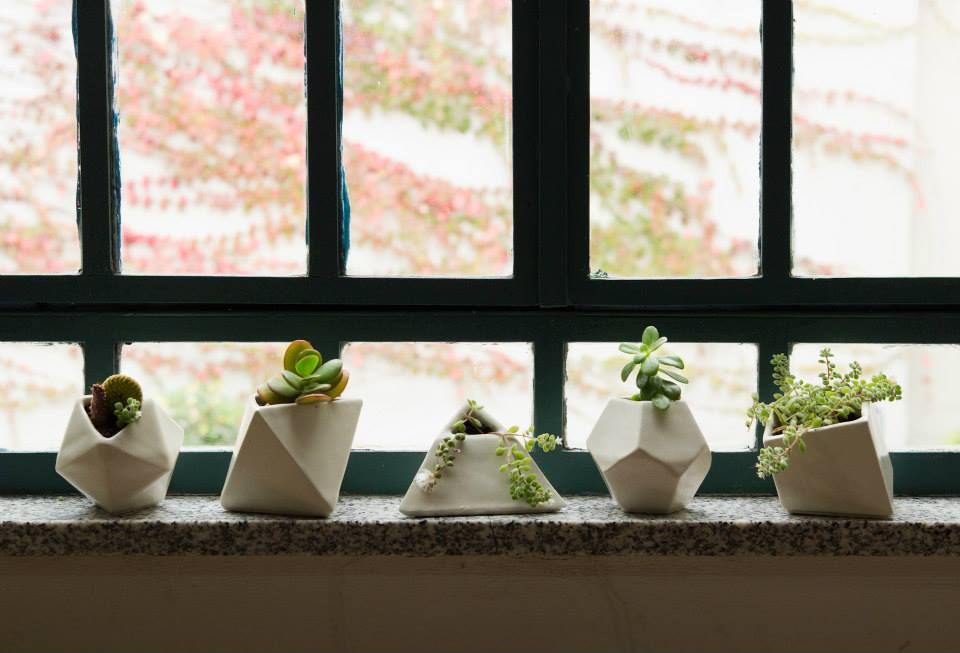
[[474, 486], [291, 459], [128, 471], [653, 461], [845, 471]]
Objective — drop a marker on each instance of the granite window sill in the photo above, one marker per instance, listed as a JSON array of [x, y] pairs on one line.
[[372, 525]]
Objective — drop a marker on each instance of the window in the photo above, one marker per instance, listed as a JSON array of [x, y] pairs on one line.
[[578, 218]]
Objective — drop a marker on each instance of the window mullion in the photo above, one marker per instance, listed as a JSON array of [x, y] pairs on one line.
[[97, 180], [101, 358]]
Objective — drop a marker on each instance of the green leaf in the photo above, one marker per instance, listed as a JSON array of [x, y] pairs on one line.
[[642, 380], [651, 365], [650, 335], [672, 390], [627, 369], [308, 361], [660, 342], [661, 402], [672, 361], [628, 348], [676, 376]]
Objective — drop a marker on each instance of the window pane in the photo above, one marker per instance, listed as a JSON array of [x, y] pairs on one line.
[[925, 418], [674, 138], [722, 378], [427, 140], [38, 139], [411, 389], [213, 136], [203, 385], [39, 383], [876, 144]]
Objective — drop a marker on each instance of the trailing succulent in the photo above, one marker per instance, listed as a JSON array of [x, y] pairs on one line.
[[305, 379], [514, 445], [657, 376], [114, 404], [800, 406]]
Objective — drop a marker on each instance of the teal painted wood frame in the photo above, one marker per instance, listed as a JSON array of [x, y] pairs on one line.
[[549, 301]]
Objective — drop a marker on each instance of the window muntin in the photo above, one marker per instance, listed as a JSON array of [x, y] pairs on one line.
[[427, 137], [38, 140], [212, 132]]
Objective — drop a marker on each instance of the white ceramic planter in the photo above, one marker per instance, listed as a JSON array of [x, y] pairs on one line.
[[291, 459], [653, 461], [128, 471], [474, 486], [845, 471]]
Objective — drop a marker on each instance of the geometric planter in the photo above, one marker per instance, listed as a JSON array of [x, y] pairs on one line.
[[128, 471], [845, 470], [652, 460], [474, 485], [290, 459]]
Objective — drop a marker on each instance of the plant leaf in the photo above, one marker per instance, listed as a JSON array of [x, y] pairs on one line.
[[628, 348], [660, 342], [676, 376], [627, 369], [661, 402], [672, 361], [642, 380], [650, 335], [651, 365], [671, 389]]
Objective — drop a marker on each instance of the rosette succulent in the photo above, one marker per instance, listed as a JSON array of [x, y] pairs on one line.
[[657, 376], [305, 379]]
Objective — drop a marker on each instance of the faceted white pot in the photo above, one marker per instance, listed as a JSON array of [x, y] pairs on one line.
[[845, 471], [652, 460], [128, 471], [474, 485], [291, 459]]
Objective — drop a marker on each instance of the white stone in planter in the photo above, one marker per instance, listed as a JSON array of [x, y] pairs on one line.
[[475, 485], [128, 471], [291, 459], [652, 460], [845, 471]]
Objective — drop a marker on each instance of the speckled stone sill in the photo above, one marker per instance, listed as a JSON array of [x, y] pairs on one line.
[[589, 526]]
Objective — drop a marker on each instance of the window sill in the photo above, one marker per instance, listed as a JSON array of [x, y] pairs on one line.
[[372, 525]]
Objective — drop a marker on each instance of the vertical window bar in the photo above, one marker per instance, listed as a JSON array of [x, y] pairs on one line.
[[775, 165], [97, 211], [326, 257], [527, 190], [101, 358], [549, 375], [578, 145], [553, 156]]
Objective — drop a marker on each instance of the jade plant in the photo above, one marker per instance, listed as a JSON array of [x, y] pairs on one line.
[[305, 379], [800, 406], [657, 377], [114, 404], [515, 446]]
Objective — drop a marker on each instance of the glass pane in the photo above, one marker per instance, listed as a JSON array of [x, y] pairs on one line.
[[213, 136], [876, 98], [925, 418], [39, 383], [411, 389], [38, 139], [722, 378], [674, 138], [427, 137], [203, 385]]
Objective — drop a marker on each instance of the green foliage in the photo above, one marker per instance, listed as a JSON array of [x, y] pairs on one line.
[[514, 444], [127, 414], [209, 415], [657, 377], [305, 379], [800, 406]]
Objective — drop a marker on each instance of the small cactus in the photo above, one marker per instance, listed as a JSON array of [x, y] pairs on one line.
[[114, 404], [305, 379]]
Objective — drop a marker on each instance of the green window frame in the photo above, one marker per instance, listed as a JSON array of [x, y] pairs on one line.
[[549, 301]]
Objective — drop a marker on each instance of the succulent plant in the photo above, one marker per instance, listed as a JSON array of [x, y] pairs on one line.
[[657, 389], [305, 379], [114, 404]]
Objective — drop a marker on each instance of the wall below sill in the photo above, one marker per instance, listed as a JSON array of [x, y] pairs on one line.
[[373, 526]]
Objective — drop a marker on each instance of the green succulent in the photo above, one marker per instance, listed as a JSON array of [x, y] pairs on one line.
[[657, 376], [114, 404], [305, 379]]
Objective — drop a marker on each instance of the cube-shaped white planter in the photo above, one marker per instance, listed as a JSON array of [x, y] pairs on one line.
[[475, 485], [845, 470], [291, 459], [652, 460], [128, 471]]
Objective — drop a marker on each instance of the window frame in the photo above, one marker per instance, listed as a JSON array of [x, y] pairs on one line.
[[548, 302]]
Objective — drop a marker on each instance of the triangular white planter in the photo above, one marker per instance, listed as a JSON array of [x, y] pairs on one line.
[[845, 471], [474, 486], [128, 471], [653, 461], [291, 459]]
